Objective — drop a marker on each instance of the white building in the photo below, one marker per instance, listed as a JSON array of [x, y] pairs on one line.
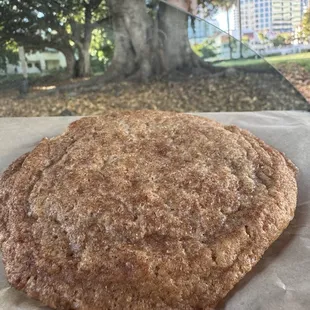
[[270, 15], [305, 5], [286, 15], [39, 62], [247, 16]]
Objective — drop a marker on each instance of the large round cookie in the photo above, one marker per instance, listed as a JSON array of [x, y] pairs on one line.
[[142, 210]]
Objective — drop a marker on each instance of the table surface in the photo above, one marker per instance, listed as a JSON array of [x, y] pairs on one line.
[[281, 280]]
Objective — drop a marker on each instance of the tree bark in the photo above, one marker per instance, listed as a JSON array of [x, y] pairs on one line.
[[82, 37], [84, 65], [84, 44], [146, 46], [22, 59], [240, 28], [228, 30], [175, 46], [5, 64], [133, 29], [70, 59]]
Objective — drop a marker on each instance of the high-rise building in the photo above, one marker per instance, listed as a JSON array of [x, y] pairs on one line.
[[270, 15], [286, 15], [263, 14], [305, 5], [247, 15]]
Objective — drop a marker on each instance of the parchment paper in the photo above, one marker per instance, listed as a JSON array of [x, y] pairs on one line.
[[281, 280]]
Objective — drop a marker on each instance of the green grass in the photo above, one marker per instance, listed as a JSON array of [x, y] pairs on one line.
[[288, 58], [302, 59], [241, 63]]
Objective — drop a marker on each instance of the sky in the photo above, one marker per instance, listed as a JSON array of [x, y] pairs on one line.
[[221, 18]]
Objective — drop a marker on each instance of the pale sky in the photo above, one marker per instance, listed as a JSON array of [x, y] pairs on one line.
[[221, 18]]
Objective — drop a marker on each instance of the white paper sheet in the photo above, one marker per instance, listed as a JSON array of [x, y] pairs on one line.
[[281, 280]]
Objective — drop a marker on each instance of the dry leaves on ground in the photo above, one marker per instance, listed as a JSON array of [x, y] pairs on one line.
[[298, 76], [237, 91]]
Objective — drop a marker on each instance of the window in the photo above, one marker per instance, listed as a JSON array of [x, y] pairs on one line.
[[38, 65]]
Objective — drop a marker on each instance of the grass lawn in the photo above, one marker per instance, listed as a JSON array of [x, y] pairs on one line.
[[291, 57], [302, 59]]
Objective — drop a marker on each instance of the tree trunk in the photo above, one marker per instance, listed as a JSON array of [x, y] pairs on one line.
[[84, 44], [146, 46], [133, 29], [176, 52], [5, 64], [84, 66], [228, 31], [22, 59], [240, 28], [70, 60]]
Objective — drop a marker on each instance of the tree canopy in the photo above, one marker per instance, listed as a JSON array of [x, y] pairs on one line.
[[63, 25], [8, 53], [306, 24], [80, 28]]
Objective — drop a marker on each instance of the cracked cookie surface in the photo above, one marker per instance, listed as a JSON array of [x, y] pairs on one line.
[[142, 210]]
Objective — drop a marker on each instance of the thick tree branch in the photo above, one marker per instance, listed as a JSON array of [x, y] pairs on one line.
[[76, 32], [102, 23], [87, 25]]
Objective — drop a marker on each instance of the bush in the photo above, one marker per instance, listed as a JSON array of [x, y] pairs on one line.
[[205, 49], [97, 65], [273, 54]]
